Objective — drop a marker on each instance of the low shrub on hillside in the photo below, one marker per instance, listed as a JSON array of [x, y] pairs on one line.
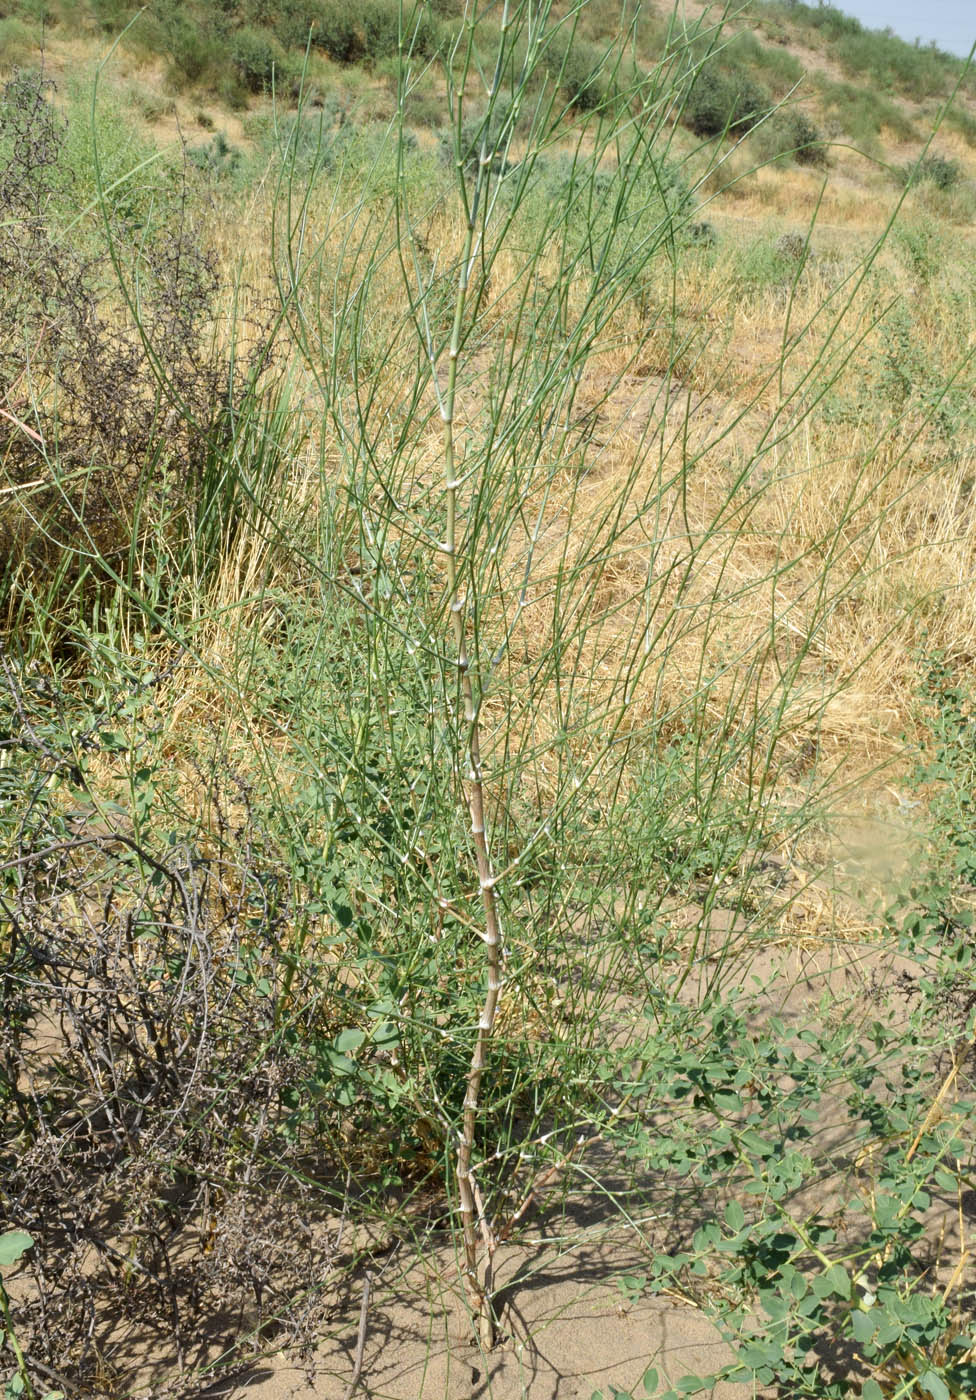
[[583, 70], [216, 158], [792, 135], [386, 25], [962, 120], [722, 101], [942, 172], [339, 32], [258, 59], [894, 65]]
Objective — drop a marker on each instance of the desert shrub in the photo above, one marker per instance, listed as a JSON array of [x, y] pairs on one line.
[[494, 130], [258, 59], [894, 65], [942, 172], [938, 901], [794, 247], [179, 984], [920, 248], [584, 70], [960, 119], [338, 31], [217, 158], [106, 160], [659, 203], [914, 70], [111, 15], [722, 100], [702, 235], [192, 53], [117, 408], [153, 106], [47, 12], [804, 1290], [381, 21], [496, 725], [426, 109], [907, 376], [293, 21], [828, 19], [769, 264], [309, 143], [792, 134]]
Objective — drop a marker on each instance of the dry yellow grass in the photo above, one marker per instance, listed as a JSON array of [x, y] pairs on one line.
[[839, 552], [897, 571]]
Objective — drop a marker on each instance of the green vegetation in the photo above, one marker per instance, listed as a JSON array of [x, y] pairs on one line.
[[877, 56], [933, 169], [241, 49], [442, 645], [793, 134], [724, 102], [863, 114]]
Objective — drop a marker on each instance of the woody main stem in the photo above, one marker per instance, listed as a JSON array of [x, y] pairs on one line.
[[478, 1292]]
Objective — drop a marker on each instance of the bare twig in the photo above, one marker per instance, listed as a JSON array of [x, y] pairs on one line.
[[357, 1365]]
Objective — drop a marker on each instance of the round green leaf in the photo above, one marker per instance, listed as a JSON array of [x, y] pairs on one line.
[[735, 1216], [12, 1245], [835, 1282], [935, 1385], [862, 1325]]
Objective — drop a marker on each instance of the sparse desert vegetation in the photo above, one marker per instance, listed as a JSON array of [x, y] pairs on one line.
[[487, 740]]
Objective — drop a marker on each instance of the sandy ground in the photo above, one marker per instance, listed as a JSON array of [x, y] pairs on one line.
[[567, 1330]]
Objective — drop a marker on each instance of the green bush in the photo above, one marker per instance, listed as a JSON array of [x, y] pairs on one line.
[[134, 177], [308, 142], [46, 12], [767, 264], [940, 171], [582, 69], [112, 15], [292, 21], [338, 31], [216, 158], [828, 19], [659, 199], [961, 120], [474, 131], [793, 134], [381, 20], [192, 53], [723, 100], [258, 59], [894, 65]]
